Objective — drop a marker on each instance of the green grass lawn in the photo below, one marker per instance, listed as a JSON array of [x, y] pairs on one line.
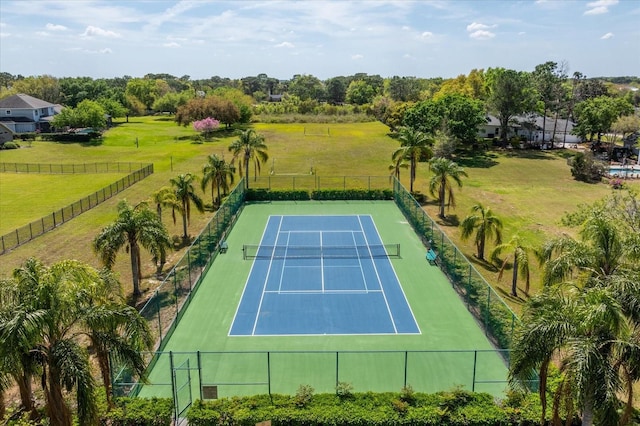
[[530, 190], [28, 197]]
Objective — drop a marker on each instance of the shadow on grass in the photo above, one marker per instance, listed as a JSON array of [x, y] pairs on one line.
[[482, 264], [508, 296], [477, 159]]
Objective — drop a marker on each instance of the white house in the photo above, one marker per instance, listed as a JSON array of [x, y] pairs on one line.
[[23, 113], [529, 128]]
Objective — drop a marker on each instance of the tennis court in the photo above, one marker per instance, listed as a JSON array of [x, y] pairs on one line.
[[322, 275], [317, 292]]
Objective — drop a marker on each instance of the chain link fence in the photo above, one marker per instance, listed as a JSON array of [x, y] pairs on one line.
[[22, 235]]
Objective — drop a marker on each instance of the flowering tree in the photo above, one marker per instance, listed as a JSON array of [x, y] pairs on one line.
[[206, 126]]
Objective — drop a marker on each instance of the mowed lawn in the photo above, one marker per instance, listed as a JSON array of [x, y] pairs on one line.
[[529, 190], [28, 197]]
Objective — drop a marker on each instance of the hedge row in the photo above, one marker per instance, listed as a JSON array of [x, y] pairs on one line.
[[323, 194], [140, 412], [457, 407]]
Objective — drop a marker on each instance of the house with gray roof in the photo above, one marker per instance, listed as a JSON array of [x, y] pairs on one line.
[[23, 113]]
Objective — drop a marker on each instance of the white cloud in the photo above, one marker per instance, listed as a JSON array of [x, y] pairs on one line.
[[599, 7], [285, 44], [521, 33], [97, 31], [482, 35], [475, 26], [3, 35], [171, 44], [106, 50], [357, 57], [606, 36], [42, 33], [54, 27], [427, 35]]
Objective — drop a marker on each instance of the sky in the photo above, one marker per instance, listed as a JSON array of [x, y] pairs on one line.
[[235, 39]]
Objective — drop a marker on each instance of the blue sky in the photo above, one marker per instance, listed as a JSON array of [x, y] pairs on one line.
[[201, 38]]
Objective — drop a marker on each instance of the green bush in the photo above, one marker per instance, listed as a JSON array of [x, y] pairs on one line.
[[10, 145], [456, 407], [273, 195], [585, 168], [352, 194], [140, 412]]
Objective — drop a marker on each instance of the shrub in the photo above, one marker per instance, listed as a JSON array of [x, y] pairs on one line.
[[304, 395], [141, 412], [344, 390], [585, 168], [10, 145]]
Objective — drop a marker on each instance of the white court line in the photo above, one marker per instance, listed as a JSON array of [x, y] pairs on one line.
[[323, 291], [355, 243], [321, 264], [284, 258], [264, 231], [398, 280], [264, 287], [375, 267]]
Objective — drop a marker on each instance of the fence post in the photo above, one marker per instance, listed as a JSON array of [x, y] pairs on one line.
[[406, 356], [17, 238], [200, 375], [30, 231], [269, 373], [189, 269], [174, 391], [158, 309], [337, 369], [475, 360]]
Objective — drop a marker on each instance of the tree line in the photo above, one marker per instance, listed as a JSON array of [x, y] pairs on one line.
[[595, 104]]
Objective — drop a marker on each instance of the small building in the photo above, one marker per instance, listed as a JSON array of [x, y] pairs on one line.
[[25, 114]]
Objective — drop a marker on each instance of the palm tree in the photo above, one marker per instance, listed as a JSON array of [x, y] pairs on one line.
[[186, 194], [165, 197], [588, 331], [519, 257], [443, 170], [414, 145], [249, 146], [219, 173], [63, 302], [485, 224], [398, 162], [601, 250], [134, 227]]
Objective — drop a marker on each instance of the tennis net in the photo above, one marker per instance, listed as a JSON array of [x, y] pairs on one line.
[[320, 252]]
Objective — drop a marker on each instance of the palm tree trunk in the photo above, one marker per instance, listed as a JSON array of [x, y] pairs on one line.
[[514, 279], [481, 248], [105, 371], [219, 199], [442, 197], [587, 411], [57, 410], [159, 211], [246, 169], [185, 234], [26, 393], [542, 390], [413, 174], [133, 251]]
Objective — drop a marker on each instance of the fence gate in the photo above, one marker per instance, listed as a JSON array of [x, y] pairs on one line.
[[182, 397]]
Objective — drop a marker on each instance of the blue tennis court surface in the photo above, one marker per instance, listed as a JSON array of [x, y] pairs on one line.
[[322, 275]]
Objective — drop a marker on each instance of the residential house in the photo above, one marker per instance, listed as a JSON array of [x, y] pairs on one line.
[[530, 128], [6, 134], [491, 129], [23, 113]]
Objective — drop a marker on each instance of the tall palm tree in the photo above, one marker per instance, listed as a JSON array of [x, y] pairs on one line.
[[63, 302], [186, 194], [444, 171], [414, 145], [398, 161], [219, 173], [518, 254], [587, 331], [134, 227], [249, 146], [485, 224]]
